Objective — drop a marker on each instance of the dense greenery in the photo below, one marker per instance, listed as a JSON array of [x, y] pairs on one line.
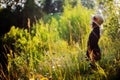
[[55, 47]]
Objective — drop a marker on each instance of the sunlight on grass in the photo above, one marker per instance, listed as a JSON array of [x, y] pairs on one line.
[[56, 49]]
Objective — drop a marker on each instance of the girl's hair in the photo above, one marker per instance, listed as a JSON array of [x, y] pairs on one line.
[[94, 25]]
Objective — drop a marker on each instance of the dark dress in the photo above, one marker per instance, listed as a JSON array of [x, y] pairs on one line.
[[93, 43]]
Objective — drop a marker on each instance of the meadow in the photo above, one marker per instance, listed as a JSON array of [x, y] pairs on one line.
[[55, 48]]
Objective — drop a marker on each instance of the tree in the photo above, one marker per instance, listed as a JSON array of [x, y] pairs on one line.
[[14, 13], [51, 6], [31, 11], [90, 4], [18, 13]]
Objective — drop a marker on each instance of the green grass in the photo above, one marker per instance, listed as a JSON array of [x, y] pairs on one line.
[[71, 65], [56, 59], [56, 50]]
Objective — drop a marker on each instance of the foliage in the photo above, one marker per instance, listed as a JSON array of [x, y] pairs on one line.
[[74, 24], [55, 48], [90, 4], [112, 24]]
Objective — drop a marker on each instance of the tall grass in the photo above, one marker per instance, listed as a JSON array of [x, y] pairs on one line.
[[56, 50]]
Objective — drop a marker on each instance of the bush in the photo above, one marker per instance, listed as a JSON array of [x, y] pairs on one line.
[[56, 48], [74, 24], [112, 25]]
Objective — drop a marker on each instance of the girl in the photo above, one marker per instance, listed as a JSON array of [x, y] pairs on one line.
[[93, 50]]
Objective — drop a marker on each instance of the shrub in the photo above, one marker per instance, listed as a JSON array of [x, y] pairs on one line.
[[55, 48], [74, 24]]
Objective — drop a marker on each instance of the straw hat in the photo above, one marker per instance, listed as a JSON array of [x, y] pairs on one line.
[[98, 19]]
